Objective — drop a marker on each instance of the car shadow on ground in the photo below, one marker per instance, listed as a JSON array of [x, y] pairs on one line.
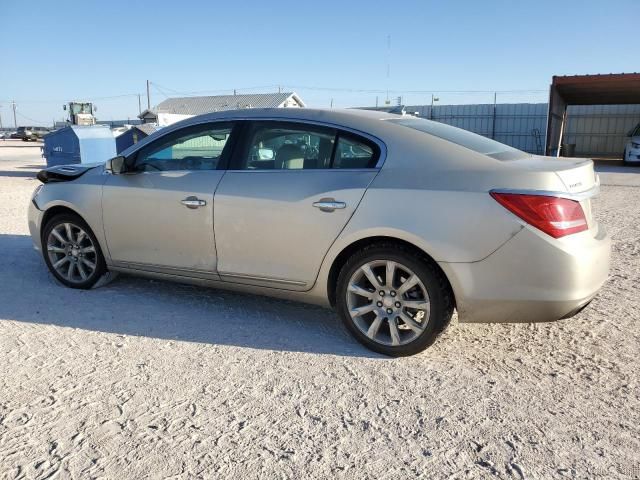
[[33, 167], [13, 173], [140, 307]]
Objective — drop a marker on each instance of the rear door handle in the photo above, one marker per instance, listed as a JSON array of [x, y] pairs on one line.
[[193, 202], [329, 205]]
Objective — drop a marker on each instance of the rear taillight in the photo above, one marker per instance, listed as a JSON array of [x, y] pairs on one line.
[[555, 216]]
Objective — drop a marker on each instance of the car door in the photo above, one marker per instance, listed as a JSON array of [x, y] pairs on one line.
[[159, 214], [290, 190]]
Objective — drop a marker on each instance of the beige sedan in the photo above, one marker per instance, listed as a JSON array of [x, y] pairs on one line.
[[392, 220]]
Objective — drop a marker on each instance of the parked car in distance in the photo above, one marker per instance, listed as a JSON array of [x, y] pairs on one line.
[[392, 220], [631, 154], [32, 133]]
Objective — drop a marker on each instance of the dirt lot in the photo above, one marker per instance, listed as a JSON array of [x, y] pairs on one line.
[[143, 379]]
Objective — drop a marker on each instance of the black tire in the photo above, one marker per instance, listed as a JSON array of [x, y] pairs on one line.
[[98, 258], [439, 291]]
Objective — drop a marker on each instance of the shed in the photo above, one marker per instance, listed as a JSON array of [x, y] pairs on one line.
[[79, 144], [134, 135], [611, 89], [148, 116]]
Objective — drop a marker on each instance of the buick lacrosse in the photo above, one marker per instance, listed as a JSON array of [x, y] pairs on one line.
[[392, 220]]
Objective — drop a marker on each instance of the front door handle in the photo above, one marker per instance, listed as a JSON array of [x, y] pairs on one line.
[[329, 205], [193, 202]]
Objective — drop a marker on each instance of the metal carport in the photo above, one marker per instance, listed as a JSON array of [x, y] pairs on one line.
[[611, 89]]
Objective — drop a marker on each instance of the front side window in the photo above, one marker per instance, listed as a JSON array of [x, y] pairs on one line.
[[199, 147], [283, 146]]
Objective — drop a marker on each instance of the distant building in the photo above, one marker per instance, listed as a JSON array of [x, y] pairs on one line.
[[109, 123], [148, 116], [175, 109], [119, 123], [134, 135]]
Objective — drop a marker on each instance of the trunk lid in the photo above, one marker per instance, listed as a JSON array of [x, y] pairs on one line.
[[576, 174]]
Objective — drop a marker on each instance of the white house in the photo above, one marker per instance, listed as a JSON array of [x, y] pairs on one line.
[[175, 109]]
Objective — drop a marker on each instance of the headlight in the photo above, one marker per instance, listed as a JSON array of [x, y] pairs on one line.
[[35, 193], [635, 145]]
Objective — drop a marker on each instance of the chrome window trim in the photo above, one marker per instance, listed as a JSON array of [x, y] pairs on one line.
[[381, 145]]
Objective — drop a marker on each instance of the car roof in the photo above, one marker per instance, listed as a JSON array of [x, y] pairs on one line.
[[351, 118]]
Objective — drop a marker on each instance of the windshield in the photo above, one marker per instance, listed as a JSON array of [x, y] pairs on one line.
[[77, 108], [461, 137]]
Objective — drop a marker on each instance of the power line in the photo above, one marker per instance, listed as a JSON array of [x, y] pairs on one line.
[[91, 99], [382, 91], [223, 90], [158, 89], [164, 89], [31, 119]]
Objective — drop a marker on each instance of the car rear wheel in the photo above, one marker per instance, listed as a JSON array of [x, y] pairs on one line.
[[71, 252], [393, 301]]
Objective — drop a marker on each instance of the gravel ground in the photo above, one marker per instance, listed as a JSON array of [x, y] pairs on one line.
[[145, 379]]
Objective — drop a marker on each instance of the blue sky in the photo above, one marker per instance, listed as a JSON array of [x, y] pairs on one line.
[[56, 51]]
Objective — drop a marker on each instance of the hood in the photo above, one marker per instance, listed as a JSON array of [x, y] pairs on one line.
[[65, 173]]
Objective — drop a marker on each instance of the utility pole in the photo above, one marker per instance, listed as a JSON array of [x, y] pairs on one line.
[[387, 102], [148, 97], [0, 118], [433, 100], [493, 128], [13, 105], [139, 105], [331, 103]]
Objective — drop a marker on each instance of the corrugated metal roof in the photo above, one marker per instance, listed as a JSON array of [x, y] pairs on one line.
[[147, 128], [200, 105]]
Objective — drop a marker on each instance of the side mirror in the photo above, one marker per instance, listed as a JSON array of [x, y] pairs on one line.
[[115, 165]]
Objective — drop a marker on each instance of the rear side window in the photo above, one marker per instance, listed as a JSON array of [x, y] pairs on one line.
[[352, 152], [288, 146], [298, 146], [461, 137]]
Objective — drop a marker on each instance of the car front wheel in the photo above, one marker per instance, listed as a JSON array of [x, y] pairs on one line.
[[393, 301], [72, 252]]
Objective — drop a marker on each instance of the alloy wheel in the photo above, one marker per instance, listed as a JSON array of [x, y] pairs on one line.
[[71, 252], [388, 302]]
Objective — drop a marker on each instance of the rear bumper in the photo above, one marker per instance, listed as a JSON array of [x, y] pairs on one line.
[[532, 278]]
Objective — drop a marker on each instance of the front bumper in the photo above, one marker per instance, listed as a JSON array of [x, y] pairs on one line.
[[35, 221], [633, 156], [532, 278]]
